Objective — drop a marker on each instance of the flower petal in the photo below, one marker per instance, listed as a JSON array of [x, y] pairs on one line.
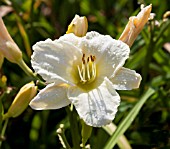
[[54, 60], [98, 106], [126, 79], [110, 53], [51, 97], [71, 38]]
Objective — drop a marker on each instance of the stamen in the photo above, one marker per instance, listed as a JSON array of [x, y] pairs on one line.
[[94, 58], [80, 73], [87, 72], [84, 70]]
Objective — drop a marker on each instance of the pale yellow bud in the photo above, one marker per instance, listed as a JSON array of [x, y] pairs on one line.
[[3, 81], [8, 47], [166, 16], [78, 26], [135, 25], [22, 100]]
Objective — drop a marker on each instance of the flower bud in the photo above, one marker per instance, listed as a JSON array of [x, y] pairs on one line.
[[22, 100], [3, 81], [8, 47], [78, 26], [166, 16], [135, 25]]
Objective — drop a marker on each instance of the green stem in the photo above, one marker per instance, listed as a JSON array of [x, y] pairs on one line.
[[148, 58], [74, 128], [127, 121], [29, 72], [25, 68], [24, 35], [65, 141], [31, 19], [85, 133], [163, 29], [122, 141], [62, 138], [3, 131]]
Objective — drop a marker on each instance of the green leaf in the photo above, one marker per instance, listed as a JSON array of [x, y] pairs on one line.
[[127, 121], [122, 142], [1, 114]]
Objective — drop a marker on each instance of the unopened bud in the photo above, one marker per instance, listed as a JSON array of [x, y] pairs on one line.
[[8, 47], [135, 25], [166, 16], [22, 100], [78, 26], [3, 81]]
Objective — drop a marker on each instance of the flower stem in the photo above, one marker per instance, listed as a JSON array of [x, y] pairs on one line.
[[25, 68], [122, 142], [73, 127], [163, 29], [3, 131], [148, 57], [29, 72], [85, 133], [62, 137], [127, 121]]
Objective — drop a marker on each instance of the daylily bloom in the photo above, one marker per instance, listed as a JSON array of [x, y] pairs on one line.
[[84, 71]]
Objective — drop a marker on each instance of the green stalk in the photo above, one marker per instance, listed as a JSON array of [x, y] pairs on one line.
[[3, 131], [85, 133], [74, 128], [148, 58], [24, 35], [62, 137], [122, 141], [25, 68], [163, 29], [29, 72], [127, 121]]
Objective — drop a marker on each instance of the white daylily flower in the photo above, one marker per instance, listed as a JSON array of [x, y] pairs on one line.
[[84, 71]]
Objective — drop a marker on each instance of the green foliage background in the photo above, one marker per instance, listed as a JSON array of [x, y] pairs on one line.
[[33, 20]]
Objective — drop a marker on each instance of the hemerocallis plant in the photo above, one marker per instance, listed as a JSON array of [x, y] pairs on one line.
[[85, 71]]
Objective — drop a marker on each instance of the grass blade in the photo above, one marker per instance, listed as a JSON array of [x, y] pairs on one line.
[[127, 121]]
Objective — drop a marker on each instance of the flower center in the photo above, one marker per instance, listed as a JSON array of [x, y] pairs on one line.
[[87, 72]]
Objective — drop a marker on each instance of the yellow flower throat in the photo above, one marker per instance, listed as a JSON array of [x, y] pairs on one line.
[[87, 72]]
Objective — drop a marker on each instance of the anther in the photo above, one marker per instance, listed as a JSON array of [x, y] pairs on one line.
[[87, 59], [93, 58]]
